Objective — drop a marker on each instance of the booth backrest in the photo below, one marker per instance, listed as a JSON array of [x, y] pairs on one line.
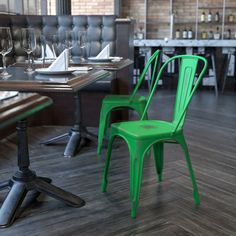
[[101, 30]]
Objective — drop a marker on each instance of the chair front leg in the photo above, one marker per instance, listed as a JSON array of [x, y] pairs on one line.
[[158, 149], [107, 164], [182, 142], [136, 168], [103, 124]]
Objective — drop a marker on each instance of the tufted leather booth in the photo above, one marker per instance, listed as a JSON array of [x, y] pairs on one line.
[[101, 29]]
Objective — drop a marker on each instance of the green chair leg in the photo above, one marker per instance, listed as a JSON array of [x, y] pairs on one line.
[[107, 124], [136, 167], [102, 128], [184, 146], [107, 164], [158, 157]]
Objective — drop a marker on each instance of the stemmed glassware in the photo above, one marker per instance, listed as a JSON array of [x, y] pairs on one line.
[[5, 47], [82, 41], [28, 43], [79, 41], [75, 41]]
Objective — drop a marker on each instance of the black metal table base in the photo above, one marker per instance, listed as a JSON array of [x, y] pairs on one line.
[[78, 138], [25, 180]]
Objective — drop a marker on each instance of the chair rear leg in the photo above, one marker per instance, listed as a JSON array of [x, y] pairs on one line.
[[108, 118], [103, 124], [107, 164], [184, 146], [158, 157]]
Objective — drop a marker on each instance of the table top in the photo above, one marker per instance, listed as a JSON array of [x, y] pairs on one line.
[[36, 82], [109, 66], [73, 82], [21, 106]]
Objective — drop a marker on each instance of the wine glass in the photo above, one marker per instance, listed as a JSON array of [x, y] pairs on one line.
[[75, 41], [5, 47], [28, 43], [83, 42]]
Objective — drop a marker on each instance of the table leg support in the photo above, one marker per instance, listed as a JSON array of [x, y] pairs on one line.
[[73, 144], [25, 180], [78, 135], [11, 204]]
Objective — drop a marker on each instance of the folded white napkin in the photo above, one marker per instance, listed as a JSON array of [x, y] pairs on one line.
[[7, 94], [105, 53], [61, 63], [49, 53]]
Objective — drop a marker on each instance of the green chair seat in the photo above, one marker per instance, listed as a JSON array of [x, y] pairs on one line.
[[123, 99], [144, 129]]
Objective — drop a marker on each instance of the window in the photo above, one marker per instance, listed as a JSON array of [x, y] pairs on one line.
[[48, 7]]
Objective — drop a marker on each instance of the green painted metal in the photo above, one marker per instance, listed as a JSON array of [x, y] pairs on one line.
[[141, 135], [133, 101]]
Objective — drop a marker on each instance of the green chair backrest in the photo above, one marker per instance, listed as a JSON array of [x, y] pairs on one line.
[[188, 82], [153, 60]]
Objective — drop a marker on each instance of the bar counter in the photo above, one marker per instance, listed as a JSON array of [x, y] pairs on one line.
[[184, 43]]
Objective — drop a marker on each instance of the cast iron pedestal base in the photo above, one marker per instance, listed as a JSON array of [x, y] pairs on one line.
[[25, 180]]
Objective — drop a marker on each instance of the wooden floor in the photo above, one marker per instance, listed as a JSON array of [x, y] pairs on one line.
[[164, 209]]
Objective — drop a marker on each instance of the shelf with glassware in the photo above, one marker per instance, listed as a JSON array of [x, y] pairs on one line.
[[207, 27], [156, 28], [150, 28], [216, 22]]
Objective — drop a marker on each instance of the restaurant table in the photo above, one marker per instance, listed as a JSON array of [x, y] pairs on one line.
[[73, 83], [16, 110]]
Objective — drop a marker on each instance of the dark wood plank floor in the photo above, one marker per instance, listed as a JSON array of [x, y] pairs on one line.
[[166, 208]]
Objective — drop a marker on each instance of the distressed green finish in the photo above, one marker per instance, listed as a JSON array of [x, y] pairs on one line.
[[133, 101], [141, 135]]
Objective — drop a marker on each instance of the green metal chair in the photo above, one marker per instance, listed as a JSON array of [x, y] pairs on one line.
[[132, 101], [141, 135]]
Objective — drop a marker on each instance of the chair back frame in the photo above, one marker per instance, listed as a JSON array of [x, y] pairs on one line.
[[155, 58], [187, 85]]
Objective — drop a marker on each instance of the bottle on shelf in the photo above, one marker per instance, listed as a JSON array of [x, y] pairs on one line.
[[209, 16], [177, 34], [217, 33], [210, 34], [185, 34], [217, 17], [228, 34], [231, 18], [204, 35], [190, 34], [203, 15], [140, 33]]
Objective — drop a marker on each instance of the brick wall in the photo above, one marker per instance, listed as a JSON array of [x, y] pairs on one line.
[[184, 12], [158, 19], [92, 7]]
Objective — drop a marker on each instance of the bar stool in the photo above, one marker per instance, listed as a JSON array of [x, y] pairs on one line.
[[210, 53], [230, 54]]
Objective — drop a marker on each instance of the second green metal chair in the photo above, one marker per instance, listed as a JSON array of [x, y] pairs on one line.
[[133, 101]]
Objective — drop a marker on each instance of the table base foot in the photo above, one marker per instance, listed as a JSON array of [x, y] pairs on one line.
[[36, 185]]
